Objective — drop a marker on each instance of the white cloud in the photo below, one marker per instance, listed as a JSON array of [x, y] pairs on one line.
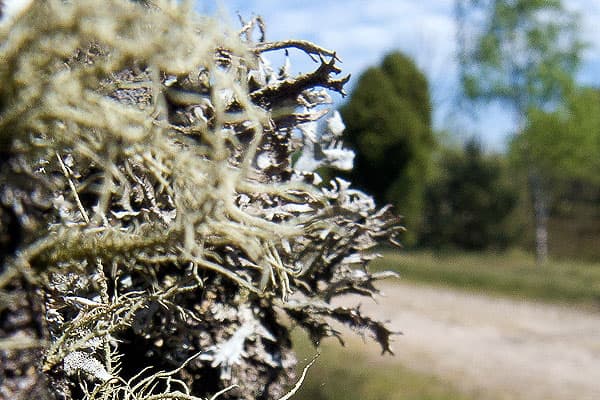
[[589, 12]]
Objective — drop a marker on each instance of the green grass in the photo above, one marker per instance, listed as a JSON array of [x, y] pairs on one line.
[[350, 373], [512, 274]]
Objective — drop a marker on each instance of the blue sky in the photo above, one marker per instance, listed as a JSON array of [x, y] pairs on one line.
[[363, 31]]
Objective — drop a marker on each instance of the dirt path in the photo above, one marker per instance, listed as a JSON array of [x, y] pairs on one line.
[[494, 348]]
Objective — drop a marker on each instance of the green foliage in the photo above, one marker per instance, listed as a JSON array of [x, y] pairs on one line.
[[576, 214], [388, 121], [522, 52], [564, 144], [469, 203]]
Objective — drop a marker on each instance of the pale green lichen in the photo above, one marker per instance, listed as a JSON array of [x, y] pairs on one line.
[[158, 219]]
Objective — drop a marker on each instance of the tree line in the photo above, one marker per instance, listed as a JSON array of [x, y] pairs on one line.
[[543, 192]]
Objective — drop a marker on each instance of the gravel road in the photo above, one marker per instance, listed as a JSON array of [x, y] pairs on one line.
[[494, 348]]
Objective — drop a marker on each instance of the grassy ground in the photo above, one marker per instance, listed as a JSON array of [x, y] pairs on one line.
[[353, 373], [513, 274], [349, 373]]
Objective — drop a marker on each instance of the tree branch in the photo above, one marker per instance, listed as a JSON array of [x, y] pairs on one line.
[[304, 45], [291, 88]]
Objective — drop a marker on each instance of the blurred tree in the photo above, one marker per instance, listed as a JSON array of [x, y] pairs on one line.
[[524, 54], [565, 144], [388, 122], [470, 202]]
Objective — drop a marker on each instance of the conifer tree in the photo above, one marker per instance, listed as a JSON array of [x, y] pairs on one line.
[[388, 120]]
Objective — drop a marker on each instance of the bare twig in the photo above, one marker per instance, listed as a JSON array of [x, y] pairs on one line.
[[291, 88], [301, 380], [248, 28], [73, 189], [304, 45]]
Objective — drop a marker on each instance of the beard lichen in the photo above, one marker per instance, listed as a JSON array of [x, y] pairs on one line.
[[159, 235]]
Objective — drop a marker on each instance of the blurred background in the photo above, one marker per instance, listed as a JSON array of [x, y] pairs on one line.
[[479, 120]]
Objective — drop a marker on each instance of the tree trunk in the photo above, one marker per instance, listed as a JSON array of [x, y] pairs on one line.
[[540, 209]]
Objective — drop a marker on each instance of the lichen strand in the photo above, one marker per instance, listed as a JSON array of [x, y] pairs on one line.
[[156, 227]]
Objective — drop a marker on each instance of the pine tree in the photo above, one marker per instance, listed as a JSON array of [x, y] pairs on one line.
[[388, 120], [469, 205]]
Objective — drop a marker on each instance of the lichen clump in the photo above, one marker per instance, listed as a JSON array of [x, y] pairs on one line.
[[162, 221]]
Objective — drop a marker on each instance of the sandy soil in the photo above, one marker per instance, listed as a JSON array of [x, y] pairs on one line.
[[494, 348]]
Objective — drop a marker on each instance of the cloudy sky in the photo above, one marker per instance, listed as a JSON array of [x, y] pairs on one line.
[[363, 31]]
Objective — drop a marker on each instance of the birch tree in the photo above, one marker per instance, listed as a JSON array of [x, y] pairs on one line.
[[522, 53]]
